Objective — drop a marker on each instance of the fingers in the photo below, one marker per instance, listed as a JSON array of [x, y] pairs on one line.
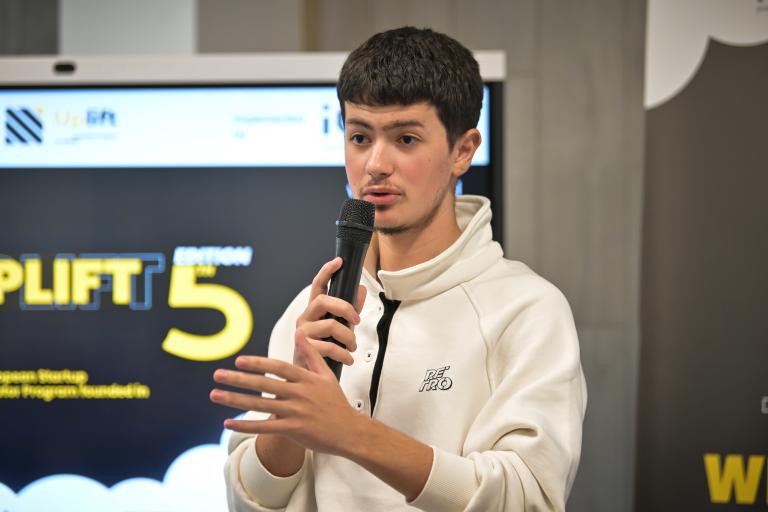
[[253, 382], [313, 358], [332, 350], [256, 382], [321, 305], [256, 364], [361, 294], [330, 328], [268, 426], [246, 402], [320, 282]]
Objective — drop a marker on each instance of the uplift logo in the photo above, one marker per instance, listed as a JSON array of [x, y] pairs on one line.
[[83, 281], [436, 379], [23, 126], [92, 118]]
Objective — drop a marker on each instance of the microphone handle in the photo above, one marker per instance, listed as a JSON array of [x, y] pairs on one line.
[[344, 284]]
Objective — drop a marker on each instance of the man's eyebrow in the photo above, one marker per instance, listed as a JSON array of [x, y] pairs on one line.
[[387, 127]]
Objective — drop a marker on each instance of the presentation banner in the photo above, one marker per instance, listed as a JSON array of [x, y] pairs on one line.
[[703, 414], [121, 292]]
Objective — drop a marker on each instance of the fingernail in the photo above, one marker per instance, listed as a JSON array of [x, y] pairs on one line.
[[220, 374]]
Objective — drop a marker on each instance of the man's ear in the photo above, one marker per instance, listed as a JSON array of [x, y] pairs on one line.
[[463, 151]]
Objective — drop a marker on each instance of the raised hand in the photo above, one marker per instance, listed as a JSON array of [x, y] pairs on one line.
[[307, 405]]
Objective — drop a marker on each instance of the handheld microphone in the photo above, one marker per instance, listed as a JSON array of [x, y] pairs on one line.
[[353, 234]]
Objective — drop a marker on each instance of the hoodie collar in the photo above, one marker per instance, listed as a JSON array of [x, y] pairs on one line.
[[471, 254]]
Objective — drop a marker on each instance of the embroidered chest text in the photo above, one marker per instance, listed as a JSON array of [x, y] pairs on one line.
[[436, 379]]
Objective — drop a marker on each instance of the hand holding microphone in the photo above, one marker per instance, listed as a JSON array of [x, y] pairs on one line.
[[330, 313]]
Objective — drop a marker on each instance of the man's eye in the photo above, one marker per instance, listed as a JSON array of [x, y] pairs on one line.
[[357, 138], [408, 139]]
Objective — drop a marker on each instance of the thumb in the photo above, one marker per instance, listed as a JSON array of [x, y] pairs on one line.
[[361, 294], [312, 359]]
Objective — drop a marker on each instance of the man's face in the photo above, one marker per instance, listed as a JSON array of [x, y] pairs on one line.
[[397, 157]]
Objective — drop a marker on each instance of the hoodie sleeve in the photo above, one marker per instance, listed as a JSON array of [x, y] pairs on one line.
[[522, 450], [250, 486]]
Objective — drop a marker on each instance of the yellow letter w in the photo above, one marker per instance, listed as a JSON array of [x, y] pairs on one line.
[[722, 480]]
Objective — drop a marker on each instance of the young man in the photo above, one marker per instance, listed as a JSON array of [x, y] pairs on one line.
[[463, 389]]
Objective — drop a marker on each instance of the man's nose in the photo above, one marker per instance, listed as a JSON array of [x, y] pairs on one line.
[[379, 161]]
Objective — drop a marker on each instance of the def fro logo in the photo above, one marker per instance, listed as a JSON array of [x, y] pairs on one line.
[[436, 379]]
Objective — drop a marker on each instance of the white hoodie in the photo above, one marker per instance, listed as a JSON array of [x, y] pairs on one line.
[[482, 363]]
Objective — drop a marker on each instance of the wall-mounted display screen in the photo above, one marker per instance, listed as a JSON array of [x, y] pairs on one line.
[[149, 234]]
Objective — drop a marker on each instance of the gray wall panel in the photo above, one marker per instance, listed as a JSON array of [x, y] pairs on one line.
[[573, 181], [249, 26], [29, 27], [138, 27]]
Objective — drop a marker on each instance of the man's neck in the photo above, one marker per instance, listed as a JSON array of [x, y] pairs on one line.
[[402, 250]]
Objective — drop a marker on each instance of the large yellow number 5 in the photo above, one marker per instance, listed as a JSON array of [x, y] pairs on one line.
[[186, 292]]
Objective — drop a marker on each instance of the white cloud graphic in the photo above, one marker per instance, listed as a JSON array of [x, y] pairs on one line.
[[678, 33], [8, 499], [194, 482]]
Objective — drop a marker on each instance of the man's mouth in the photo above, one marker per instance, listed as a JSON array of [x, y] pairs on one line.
[[381, 196]]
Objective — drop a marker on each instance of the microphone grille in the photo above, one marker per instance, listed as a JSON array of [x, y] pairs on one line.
[[357, 211], [355, 221]]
